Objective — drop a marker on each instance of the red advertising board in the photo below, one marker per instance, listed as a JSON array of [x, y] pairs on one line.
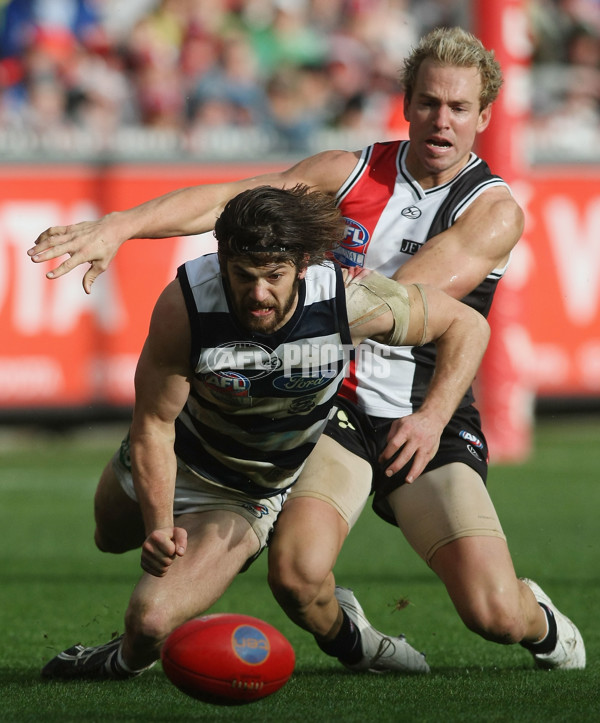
[[62, 348], [560, 262]]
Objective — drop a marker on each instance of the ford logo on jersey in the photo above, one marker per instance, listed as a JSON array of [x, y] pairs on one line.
[[301, 384], [353, 248]]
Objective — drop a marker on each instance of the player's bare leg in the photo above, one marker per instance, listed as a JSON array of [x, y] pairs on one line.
[[477, 569], [219, 544], [501, 608], [308, 537], [119, 523], [315, 520], [480, 578]]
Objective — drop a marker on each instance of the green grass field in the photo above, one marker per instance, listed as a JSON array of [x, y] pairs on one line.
[[56, 590]]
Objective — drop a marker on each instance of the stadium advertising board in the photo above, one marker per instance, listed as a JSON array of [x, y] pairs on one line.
[[62, 348]]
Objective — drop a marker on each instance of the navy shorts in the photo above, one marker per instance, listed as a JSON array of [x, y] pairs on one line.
[[462, 441]]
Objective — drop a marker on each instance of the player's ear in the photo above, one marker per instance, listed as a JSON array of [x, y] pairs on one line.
[[406, 106], [484, 118]]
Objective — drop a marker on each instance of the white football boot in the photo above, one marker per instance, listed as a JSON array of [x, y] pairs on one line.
[[381, 652], [569, 652]]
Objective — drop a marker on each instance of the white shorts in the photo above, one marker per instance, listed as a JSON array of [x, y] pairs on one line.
[[197, 494]]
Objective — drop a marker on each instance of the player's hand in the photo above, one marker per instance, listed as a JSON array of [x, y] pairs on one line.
[[90, 242], [161, 548], [415, 437]]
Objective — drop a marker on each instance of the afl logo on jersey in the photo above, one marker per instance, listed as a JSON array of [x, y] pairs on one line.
[[256, 509], [475, 441], [353, 248], [411, 212], [253, 359], [228, 384]]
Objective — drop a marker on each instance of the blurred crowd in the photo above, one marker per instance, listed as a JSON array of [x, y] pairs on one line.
[[566, 79], [283, 70]]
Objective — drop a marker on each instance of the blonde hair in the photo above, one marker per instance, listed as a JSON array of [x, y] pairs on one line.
[[456, 47]]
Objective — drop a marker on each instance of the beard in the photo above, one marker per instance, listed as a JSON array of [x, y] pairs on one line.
[[271, 322]]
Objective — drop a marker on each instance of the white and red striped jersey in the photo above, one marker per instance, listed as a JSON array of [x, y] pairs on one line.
[[389, 217]]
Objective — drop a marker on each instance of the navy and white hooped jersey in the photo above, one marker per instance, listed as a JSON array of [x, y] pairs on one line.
[[258, 403], [389, 217]]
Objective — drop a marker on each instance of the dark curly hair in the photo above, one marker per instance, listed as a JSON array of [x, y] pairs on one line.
[[295, 225]]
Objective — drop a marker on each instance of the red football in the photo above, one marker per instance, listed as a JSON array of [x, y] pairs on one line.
[[227, 659]]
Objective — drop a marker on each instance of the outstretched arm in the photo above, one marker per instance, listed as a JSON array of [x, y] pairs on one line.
[[412, 316], [182, 212], [161, 389]]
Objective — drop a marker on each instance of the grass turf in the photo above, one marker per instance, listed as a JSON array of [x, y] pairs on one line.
[[56, 589]]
